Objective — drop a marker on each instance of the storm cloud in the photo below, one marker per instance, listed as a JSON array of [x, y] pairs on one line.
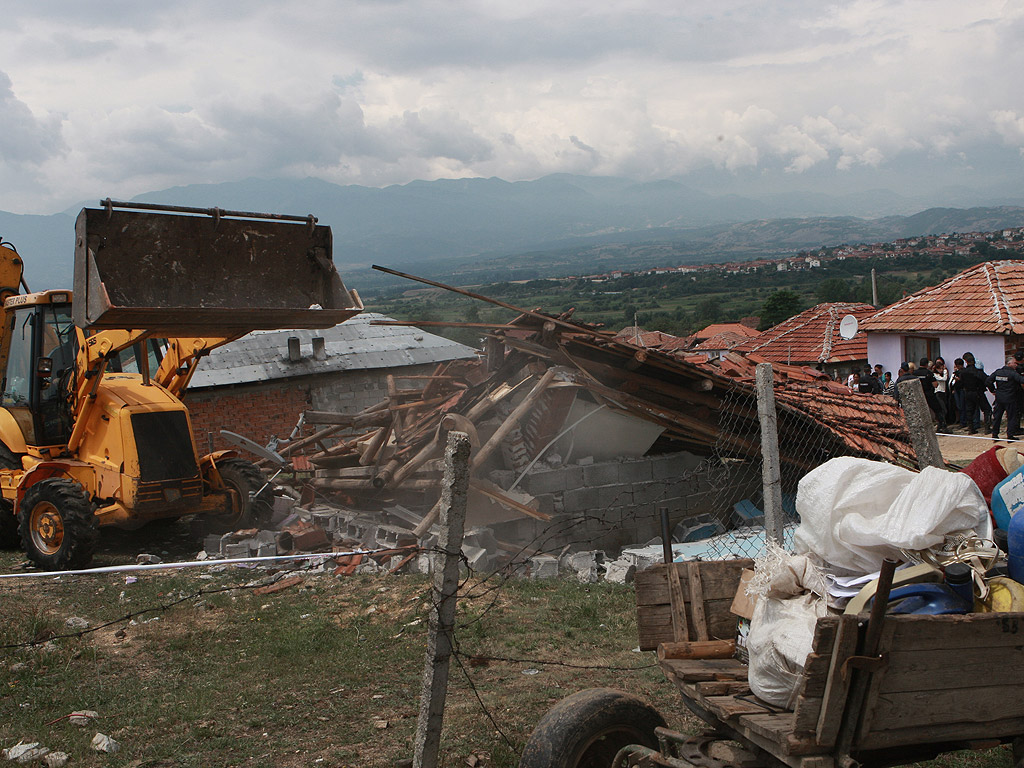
[[132, 97]]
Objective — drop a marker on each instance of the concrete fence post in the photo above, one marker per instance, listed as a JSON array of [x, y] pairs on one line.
[[919, 422], [771, 473], [454, 490]]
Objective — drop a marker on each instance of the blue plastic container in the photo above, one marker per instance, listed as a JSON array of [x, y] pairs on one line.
[[1008, 498], [927, 599], [1015, 548]]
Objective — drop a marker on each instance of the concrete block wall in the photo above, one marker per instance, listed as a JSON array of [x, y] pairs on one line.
[[613, 504], [353, 391]]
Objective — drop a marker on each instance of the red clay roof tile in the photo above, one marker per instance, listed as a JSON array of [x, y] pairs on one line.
[[812, 337], [987, 298]]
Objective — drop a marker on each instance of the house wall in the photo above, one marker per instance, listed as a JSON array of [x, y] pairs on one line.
[[264, 410], [989, 349]]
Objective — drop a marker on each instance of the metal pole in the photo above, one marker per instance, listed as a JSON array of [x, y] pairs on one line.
[[771, 474], [874, 289], [454, 492]]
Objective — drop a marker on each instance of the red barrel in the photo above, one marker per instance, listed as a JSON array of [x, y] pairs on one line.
[[986, 471]]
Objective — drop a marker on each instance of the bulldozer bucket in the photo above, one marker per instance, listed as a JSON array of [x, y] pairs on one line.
[[180, 274]]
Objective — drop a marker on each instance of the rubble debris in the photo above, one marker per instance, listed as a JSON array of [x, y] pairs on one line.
[[278, 586], [82, 717], [76, 622], [25, 752], [543, 567], [578, 438], [56, 759], [103, 743]]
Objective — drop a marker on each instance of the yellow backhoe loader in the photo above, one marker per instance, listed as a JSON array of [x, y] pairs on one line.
[[93, 430]]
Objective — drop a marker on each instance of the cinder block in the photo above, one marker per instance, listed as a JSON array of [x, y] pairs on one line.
[[548, 481], [650, 493], [543, 567], [619, 572], [616, 496], [636, 471], [546, 504], [236, 550], [605, 473], [581, 499], [674, 465], [573, 476]]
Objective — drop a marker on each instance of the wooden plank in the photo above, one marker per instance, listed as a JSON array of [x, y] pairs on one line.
[[700, 624], [934, 708], [971, 630], [806, 712], [729, 707], [825, 631], [703, 670], [654, 623], [815, 675], [677, 605], [945, 732], [720, 579], [871, 697], [834, 697], [950, 668], [772, 726], [722, 687], [698, 649]]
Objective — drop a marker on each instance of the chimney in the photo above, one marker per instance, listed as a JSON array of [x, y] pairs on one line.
[[294, 351], [319, 348]]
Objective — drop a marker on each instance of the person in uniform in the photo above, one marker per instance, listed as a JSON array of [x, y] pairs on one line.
[[1006, 383]]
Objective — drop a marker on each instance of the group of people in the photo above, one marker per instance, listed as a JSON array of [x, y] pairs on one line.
[[957, 397]]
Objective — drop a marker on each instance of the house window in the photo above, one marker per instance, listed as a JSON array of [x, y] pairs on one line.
[[916, 347]]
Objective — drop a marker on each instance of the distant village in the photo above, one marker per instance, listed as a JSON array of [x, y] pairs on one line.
[[955, 244]]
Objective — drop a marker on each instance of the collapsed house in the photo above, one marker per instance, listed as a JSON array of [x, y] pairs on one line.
[[261, 384], [579, 439]]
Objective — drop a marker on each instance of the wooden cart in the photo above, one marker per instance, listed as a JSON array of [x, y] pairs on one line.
[[936, 684]]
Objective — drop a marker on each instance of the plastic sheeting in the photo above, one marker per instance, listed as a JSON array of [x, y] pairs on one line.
[[854, 512]]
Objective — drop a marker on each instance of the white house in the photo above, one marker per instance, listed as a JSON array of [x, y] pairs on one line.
[[980, 310]]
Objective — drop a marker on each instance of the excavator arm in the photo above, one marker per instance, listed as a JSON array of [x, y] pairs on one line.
[[199, 278]]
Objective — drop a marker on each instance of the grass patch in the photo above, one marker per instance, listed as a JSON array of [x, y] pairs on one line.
[[326, 673]]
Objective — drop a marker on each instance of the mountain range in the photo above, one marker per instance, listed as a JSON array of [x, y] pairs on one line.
[[457, 226]]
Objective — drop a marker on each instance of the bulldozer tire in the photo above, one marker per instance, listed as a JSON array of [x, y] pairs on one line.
[[587, 729], [9, 538], [58, 530], [244, 477]]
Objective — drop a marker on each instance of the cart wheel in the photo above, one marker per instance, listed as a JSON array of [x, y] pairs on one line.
[[587, 729]]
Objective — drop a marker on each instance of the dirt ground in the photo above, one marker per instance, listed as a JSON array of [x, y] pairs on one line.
[[961, 449]]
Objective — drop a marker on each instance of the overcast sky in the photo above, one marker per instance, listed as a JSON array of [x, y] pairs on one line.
[[127, 96]]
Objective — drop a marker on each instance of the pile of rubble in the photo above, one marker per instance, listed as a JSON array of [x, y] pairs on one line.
[[578, 440]]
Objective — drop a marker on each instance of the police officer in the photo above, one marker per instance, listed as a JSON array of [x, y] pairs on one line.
[[1006, 383], [928, 384]]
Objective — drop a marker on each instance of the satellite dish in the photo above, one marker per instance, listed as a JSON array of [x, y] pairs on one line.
[[848, 327]]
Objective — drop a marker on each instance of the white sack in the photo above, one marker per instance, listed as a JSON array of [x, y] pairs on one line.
[[855, 512], [781, 634]]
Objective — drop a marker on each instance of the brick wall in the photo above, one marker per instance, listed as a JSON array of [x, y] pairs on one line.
[[260, 411], [257, 411]]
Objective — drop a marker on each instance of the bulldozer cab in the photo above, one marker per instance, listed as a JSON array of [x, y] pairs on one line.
[[40, 356]]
